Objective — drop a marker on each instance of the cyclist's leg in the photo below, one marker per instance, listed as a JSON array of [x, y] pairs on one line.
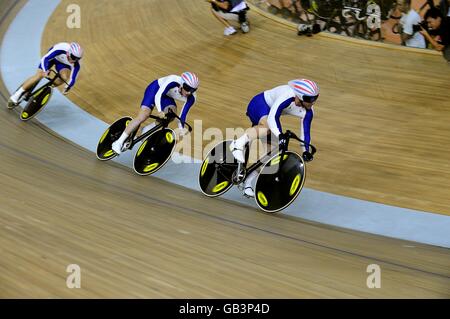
[[170, 107], [262, 132], [147, 106], [167, 104], [145, 111], [248, 183], [259, 130], [142, 116], [257, 111], [27, 85], [40, 74], [30, 82]]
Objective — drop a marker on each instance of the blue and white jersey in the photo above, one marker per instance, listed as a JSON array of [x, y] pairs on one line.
[[281, 101], [59, 53], [170, 86]]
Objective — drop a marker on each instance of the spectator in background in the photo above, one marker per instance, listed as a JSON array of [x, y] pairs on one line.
[[409, 26], [230, 10], [439, 27]]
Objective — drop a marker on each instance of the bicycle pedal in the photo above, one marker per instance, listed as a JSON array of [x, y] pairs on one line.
[[238, 177], [126, 146]]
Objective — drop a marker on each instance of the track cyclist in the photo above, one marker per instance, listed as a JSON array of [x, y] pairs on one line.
[[264, 111], [162, 93], [65, 57]]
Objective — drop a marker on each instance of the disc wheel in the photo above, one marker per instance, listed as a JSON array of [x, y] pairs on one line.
[[216, 172], [154, 152], [280, 182]]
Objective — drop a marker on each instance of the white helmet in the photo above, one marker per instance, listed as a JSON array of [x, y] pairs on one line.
[[75, 51], [190, 81], [305, 90]]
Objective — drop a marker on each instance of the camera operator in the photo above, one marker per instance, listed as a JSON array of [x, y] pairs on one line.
[[439, 31], [410, 26]]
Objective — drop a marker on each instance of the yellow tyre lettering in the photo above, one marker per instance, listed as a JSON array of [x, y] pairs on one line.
[[275, 161], [219, 187], [294, 185], [169, 137], [141, 148], [108, 154], [104, 136], [25, 115], [38, 92], [262, 199], [45, 99], [150, 167], [204, 166]]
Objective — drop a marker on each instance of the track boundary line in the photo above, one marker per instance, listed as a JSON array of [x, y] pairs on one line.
[[208, 215]]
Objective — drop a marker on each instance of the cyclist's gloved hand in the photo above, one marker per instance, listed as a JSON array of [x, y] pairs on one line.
[[307, 156], [182, 131], [66, 90], [45, 74], [161, 115], [282, 141]]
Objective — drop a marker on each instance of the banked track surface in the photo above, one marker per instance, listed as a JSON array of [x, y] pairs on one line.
[[141, 237]]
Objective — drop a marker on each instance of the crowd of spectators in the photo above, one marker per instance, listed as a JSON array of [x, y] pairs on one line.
[[413, 23]]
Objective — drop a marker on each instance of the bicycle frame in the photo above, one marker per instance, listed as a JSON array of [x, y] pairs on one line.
[[273, 151], [33, 89], [260, 161], [163, 123]]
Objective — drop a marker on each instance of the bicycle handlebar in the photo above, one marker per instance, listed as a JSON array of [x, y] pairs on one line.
[[168, 119], [292, 135], [57, 75]]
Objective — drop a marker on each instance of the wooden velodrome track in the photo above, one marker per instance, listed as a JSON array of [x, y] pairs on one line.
[[381, 123], [143, 237]]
